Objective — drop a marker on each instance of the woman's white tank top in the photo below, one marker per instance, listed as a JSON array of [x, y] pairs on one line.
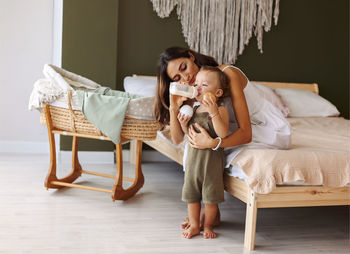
[[269, 127]]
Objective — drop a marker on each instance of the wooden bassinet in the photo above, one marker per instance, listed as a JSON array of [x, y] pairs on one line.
[[73, 123]]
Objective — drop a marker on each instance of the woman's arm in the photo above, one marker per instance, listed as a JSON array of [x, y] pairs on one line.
[[243, 134]]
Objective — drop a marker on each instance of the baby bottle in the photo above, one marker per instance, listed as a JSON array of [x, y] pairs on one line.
[[183, 90]]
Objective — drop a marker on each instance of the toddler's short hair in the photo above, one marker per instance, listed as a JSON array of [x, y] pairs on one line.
[[224, 82]]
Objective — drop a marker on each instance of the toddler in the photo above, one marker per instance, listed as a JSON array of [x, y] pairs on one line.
[[204, 167]]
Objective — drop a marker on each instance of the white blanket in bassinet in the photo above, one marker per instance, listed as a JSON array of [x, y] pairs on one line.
[[53, 89]]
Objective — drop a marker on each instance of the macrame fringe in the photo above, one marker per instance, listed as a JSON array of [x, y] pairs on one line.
[[221, 28]]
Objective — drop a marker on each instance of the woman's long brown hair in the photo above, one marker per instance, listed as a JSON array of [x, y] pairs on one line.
[[161, 103]]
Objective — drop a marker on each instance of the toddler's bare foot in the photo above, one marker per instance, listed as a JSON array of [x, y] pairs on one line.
[[208, 232], [186, 223], [190, 231]]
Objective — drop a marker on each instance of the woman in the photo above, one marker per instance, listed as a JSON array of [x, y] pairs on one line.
[[182, 65]]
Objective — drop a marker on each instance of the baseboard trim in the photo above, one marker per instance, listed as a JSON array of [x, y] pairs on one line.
[[24, 147], [87, 157], [109, 157], [153, 156]]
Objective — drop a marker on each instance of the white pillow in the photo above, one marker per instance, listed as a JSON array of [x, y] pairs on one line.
[[269, 94], [303, 103], [140, 86]]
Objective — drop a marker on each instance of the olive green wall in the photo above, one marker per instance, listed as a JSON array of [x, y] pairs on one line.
[[109, 41], [89, 48], [310, 44], [142, 36]]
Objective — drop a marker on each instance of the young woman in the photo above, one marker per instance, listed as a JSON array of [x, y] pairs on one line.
[[270, 129]]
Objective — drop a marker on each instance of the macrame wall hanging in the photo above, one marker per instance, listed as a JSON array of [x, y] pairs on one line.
[[221, 28]]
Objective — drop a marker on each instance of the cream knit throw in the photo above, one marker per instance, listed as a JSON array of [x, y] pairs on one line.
[[221, 28]]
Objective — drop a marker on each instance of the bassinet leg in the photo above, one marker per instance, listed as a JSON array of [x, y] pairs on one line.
[[133, 146], [76, 168], [119, 193], [51, 175]]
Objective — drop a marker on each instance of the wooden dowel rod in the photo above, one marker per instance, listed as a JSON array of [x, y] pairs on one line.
[[105, 175], [67, 133], [79, 186], [97, 174]]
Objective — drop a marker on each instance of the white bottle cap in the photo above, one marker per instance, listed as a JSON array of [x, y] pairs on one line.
[[187, 110]]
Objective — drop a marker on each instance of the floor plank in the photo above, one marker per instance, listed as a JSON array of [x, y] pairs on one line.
[[34, 220]]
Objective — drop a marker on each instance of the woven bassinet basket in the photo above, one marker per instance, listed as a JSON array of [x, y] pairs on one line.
[[74, 121]]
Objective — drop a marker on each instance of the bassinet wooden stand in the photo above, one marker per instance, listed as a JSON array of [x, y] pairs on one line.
[[118, 192]]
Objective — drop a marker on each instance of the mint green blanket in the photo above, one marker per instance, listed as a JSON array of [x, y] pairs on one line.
[[105, 109]]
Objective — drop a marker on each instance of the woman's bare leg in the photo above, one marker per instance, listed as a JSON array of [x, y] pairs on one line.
[[185, 223], [193, 215], [210, 211]]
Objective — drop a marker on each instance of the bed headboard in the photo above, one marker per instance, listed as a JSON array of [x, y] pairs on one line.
[[312, 87]]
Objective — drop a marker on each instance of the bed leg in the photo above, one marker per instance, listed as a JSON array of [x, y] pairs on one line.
[[250, 222], [119, 193]]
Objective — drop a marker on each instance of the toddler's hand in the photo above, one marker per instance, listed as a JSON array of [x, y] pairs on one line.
[[210, 106], [183, 119]]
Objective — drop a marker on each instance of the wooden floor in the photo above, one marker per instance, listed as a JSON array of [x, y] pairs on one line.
[[34, 220]]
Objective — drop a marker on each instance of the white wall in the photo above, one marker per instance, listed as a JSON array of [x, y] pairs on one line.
[[26, 44]]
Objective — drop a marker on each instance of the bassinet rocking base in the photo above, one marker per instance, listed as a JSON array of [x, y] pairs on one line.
[[117, 192]]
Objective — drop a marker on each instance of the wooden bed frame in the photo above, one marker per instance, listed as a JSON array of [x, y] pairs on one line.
[[282, 196]]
